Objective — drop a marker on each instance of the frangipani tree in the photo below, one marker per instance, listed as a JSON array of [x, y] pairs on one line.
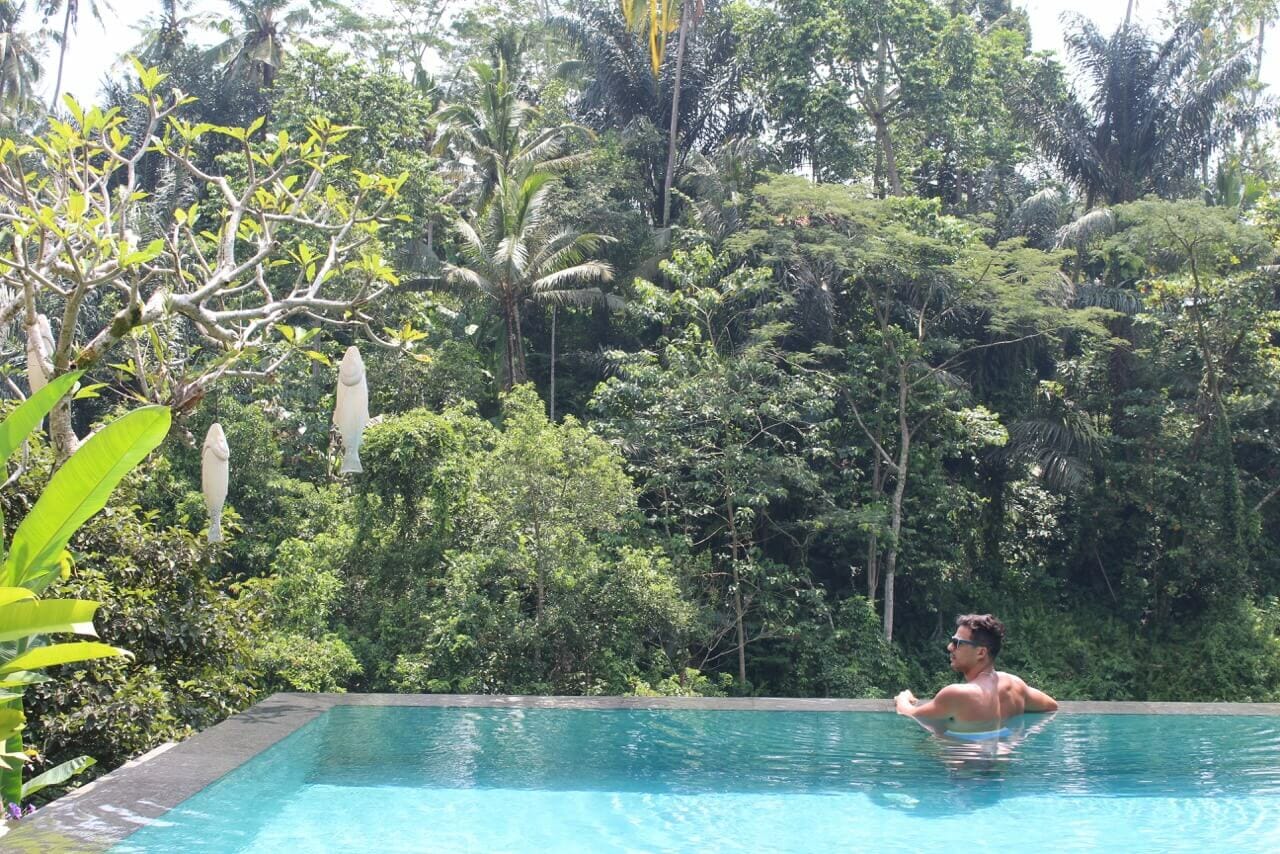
[[281, 232]]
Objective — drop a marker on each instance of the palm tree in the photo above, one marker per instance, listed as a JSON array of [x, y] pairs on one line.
[[70, 18], [1146, 122], [255, 45], [19, 62], [164, 35], [622, 93], [719, 186], [657, 24], [515, 255], [497, 134]]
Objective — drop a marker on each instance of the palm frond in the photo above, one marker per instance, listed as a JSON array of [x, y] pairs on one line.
[[1080, 232], [587, 271]]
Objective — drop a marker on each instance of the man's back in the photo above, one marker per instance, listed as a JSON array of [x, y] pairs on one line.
[[993, 698], [987, 698]]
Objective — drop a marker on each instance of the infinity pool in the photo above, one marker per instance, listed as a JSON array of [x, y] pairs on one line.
[[399, 779]]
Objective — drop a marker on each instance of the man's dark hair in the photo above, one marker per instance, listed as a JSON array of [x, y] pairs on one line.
[[984, 629]]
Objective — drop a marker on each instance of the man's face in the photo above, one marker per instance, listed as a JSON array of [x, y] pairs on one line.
[[964, 656]]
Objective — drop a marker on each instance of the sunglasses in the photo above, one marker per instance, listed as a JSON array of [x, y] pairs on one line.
[[959, 641]]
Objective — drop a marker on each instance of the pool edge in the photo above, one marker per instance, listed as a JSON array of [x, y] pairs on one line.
[[92, 819]]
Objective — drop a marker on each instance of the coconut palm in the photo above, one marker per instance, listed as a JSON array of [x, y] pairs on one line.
[[165, 34], [718, 186], [70, 10], [256, 37], [515, 255], [19, 62], [1145, 121], [498, 133], [621, 92]]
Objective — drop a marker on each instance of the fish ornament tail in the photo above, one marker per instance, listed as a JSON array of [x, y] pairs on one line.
[[351, 459]]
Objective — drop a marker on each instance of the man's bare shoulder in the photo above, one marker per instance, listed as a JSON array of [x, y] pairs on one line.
[[1012, 680]]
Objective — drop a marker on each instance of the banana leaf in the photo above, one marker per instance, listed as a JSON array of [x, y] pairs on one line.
[[59, 653], [14, 594], [57, 774], [34, 617], [76, 492], [18, 426]]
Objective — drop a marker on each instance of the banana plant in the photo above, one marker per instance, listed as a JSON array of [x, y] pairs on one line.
[[37, 554]]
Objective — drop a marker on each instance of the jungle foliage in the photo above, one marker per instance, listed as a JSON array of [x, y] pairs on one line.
[[731, 353]]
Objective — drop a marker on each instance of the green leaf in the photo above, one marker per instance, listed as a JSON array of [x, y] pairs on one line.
[[27, 417], [90, 391], [11, 721], [77, 491], [59, 653], [14, 594], [147, 253], [34, 617], [74, 107], [23, 679], [57, 774]]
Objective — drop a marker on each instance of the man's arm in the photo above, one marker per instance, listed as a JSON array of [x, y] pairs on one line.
[[940, 708], [1037, 700]]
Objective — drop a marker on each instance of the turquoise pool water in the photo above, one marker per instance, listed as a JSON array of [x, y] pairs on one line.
[[397, 779]]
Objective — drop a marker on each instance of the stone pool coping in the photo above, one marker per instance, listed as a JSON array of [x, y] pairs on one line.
[[95, 817]]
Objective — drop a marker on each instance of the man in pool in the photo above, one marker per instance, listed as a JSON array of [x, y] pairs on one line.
[[977, 708]]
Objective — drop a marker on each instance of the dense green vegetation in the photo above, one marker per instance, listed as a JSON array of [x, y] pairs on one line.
[[716, 348]]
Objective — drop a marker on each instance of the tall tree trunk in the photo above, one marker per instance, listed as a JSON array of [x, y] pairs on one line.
[[738, 609], [522, 371], [873, 542], [884, 137], [884, 142], [553, 364], [899, 490], [1128, 14], [675, 114], [1262, 35], [511, 346], [62, 54]]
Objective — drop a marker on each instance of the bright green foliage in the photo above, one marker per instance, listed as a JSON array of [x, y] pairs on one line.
[[193, 649], [296, 648], [545, 597], [36, 553], [78, 490], [910, 93], [718, 424], [833, 413]]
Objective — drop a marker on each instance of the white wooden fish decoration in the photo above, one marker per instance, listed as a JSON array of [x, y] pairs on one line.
[[39, 353], [215, 472], [351, 411]]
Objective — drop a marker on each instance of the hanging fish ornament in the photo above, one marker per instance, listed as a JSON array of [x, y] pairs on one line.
[[39, 353], [215, 473], [351, 411]]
